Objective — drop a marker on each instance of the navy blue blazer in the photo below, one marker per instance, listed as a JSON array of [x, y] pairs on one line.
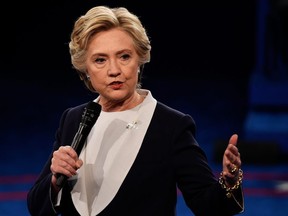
[[169, 158]]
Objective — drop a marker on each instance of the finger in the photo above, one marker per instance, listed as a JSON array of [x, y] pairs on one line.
[[231, 153], [233, 169], [231, 163], [64, 168], [79, 163], [66, 153], [233, 139], [70, 151], [62, 162]]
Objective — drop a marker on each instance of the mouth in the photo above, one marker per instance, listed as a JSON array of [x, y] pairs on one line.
[[116, 85]]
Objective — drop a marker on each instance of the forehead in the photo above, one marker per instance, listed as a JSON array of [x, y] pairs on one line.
[[111, 40]]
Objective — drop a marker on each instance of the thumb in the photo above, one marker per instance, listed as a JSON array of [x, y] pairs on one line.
[[233, 139], [79, 163]]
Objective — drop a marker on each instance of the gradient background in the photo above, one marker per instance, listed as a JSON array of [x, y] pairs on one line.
[[225, 63]]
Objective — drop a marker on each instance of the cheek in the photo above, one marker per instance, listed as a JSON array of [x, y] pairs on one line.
[[132, 72], [133, 77], [96, 80]]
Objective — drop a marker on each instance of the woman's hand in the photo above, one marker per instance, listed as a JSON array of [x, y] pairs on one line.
[[64, 161], [231, 162]]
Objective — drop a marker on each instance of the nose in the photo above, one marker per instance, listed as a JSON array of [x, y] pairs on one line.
[[114, 69]]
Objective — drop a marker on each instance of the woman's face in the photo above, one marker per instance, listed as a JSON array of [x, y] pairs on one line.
[[112, 64]]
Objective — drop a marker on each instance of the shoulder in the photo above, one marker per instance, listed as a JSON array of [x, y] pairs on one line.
[[167, 110], [171, 123], [75, 110], [78, 108], [73, 114], [69, 122], [169, 114]]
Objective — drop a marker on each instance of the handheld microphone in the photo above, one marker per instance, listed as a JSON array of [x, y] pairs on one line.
[[89, 117]]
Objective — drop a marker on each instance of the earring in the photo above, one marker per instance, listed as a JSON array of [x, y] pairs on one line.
[[87, 77]]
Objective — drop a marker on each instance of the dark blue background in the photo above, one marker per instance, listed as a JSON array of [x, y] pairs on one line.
[[225, 63]]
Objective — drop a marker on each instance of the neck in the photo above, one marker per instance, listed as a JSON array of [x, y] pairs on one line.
[[116, 106]]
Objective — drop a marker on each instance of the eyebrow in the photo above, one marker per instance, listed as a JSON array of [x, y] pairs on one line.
[[124, 50], [117, 53]]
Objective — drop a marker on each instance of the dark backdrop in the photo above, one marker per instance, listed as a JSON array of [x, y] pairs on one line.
[[208, 40], [202, 57]]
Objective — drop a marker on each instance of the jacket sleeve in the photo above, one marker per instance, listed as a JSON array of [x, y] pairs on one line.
[[39, 200], [200, 188]]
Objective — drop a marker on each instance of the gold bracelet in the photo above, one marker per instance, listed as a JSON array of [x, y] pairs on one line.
[[229, 190]]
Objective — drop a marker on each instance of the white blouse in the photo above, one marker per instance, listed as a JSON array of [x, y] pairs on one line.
[[109, 153]]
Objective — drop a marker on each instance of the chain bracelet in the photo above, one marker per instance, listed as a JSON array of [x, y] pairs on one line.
[[229, 190]]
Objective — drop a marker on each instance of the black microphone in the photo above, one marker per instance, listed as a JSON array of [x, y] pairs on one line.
[[89, 117]]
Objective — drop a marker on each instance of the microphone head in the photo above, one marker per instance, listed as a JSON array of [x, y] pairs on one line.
[[91, 113]]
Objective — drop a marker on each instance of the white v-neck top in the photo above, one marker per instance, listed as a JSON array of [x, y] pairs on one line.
[[109, 153]]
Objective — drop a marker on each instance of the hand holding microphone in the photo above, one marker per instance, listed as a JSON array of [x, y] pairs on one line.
[[64, 164], [65, 159]]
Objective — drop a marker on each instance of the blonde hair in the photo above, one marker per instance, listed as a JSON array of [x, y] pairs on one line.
[[102, 18]]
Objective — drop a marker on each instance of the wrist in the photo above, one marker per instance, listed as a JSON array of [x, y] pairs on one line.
[[230, 186]]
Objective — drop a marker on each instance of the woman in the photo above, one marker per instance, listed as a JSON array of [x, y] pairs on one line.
[[139, 150]]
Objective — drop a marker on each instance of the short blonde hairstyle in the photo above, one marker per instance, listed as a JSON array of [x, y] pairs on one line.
[[102, 18]]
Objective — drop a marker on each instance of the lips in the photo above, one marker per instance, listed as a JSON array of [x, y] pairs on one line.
[[116, 85]]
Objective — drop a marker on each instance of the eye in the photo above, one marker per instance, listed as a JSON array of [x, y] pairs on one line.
[[100, 60], [125, 57]]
